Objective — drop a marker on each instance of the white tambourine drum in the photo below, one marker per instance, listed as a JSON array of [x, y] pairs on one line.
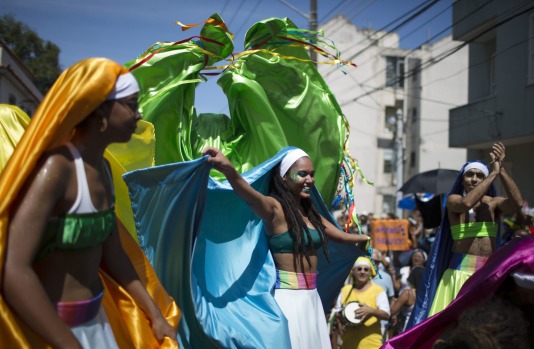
[[349, 314]]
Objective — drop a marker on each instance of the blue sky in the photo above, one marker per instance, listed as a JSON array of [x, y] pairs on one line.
[[122, 30]]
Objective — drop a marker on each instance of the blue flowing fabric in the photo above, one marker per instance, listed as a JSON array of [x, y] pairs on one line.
[[439, 257], [224, 288]]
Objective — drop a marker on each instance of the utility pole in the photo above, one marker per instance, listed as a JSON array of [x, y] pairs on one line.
[[312, 21], [399, 159]]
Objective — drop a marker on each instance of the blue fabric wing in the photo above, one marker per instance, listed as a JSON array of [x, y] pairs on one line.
[[211, 253]]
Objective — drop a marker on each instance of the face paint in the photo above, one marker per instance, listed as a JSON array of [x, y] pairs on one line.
[[296, 176], [299, 177]]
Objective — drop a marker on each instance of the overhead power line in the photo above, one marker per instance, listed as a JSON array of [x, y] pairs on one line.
[[447, 53]]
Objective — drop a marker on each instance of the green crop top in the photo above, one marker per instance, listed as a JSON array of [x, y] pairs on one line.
[[75, 231], [282, 243], [474, 230]]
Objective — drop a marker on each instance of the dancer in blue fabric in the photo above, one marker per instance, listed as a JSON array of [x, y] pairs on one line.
[[468, 234], [295, 232]]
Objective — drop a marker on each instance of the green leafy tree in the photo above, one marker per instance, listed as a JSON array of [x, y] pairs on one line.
[[39, 56]]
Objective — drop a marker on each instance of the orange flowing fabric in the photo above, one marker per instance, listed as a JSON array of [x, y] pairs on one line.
[[77, 92]]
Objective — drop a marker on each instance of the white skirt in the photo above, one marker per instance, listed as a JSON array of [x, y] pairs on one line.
[[305, 316], [96, 333]]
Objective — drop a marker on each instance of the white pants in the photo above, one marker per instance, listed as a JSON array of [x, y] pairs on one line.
[[96, 334], [305, 316]]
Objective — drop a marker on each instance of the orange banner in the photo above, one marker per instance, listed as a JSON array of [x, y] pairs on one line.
[[390, 234]]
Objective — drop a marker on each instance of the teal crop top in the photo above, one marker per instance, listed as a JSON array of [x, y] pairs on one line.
[[283, 243], [75, 231]]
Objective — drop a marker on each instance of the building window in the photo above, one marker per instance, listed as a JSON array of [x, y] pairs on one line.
[[414, 115], [388, 204], [395, 72], [390, 118], [493, 81], [531, 49], [412, 159], [388, 160], [12, 99]]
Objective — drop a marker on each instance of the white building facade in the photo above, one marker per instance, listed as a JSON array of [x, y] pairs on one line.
[[390, 82], [500, 106], [16, 84]]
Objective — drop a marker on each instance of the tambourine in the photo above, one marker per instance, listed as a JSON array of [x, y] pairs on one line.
[[349, 314]]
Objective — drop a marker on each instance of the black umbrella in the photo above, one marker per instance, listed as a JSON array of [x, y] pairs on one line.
[[435, 181]]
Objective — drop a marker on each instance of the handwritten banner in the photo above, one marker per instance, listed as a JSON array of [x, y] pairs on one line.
[[390, 234]]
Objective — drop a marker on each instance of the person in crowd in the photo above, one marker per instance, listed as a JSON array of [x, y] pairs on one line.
[[383, 279], [296, 232], [373, 306], [416, 229], [417, 260], [61, 227], [401, 308]]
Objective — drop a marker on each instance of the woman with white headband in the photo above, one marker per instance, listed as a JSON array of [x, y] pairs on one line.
[[468, 233], [58, 217], [296, 231]]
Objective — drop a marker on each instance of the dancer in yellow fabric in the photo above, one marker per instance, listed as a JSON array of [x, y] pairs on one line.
[[58, 222]]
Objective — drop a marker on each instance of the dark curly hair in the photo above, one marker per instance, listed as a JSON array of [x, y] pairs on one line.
[[295, 224], [493, 324]]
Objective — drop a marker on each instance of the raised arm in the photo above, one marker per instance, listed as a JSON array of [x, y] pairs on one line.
[[514, 199], [22, 289], [264, 206]]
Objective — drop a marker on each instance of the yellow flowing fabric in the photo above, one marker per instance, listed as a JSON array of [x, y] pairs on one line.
[[77, 92], [13, 122]]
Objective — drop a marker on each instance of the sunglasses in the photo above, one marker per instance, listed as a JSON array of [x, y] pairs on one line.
[[131, 104], [361, 268]]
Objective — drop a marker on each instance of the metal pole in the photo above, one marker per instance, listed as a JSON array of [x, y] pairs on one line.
[[399, 159], [312, 21], [313, 26]]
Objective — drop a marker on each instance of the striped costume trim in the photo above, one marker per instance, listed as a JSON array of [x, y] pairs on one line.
[[295, 281], [77, 313], [467, 262]]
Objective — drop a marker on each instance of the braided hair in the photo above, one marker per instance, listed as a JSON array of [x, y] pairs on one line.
[[295, 224]]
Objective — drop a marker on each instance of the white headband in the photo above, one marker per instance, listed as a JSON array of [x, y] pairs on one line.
[[126, 85], [478, 166], [291, 157]]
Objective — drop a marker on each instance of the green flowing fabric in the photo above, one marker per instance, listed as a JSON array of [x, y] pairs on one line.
[[167, 84], [276, 98]]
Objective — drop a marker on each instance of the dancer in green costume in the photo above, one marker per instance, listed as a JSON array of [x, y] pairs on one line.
[[474, 218]]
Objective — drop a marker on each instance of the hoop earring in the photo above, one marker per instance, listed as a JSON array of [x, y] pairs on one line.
[[103, 125]]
